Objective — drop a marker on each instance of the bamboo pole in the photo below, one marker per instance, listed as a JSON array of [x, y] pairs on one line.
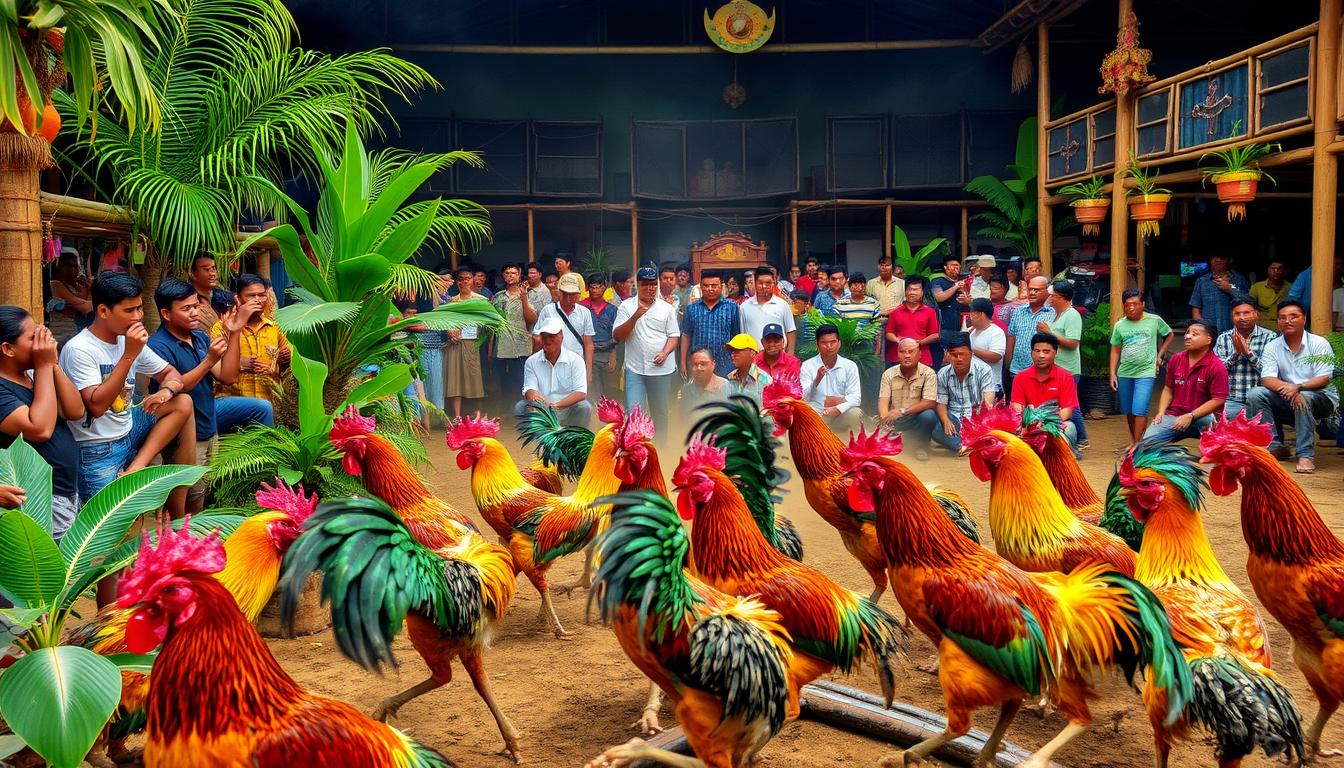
[[531, 235], [1045, 218], [1297, 156], [634, 238], [858, 203], [264, 263], [1325, 167], [1124, 143], [680, 50], [793, 225], [1140, 257], [965, 233], [886, 232]]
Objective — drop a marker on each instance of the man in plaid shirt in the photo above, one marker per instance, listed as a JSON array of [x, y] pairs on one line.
[[1240, 349], [966, 382]]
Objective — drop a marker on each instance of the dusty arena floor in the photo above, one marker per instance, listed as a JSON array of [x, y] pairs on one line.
[[570, 699]]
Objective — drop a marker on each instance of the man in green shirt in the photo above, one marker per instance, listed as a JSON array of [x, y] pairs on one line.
[[1068, 328], [1135, 358]]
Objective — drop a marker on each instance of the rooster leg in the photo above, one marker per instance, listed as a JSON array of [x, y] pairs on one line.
[[1313, 735], [635, 750], [475, 667], [387, 708], [552, 620], [916, 754], [1041, 758], [585, 581], [989, 755], [648, 723]]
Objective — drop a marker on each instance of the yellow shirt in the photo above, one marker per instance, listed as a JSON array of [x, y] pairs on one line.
[[888, 295], [264, 343], [1267, 301]]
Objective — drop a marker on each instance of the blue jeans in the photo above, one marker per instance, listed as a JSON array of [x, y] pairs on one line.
[[576, 415], [1162, 431], [100, 463], [1077, 418], [653, 394], [1271, 407], [1135, 395], [234, 413], [918, 429]]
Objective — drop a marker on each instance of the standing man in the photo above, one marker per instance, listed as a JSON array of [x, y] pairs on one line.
[[835, 282], [773, 359], [998, 296], [576, 321], [478, 286], [1240, 349], [1267, 294], [1031, 267], [1195, 390], [984, 268], [951, 295], [765, 308], [648, 326], [205, 279], [606, 358], [1023, 324], [1067, 327], [1136, 358], [831, 384], [555, 377], [888, 289], [1211, 299], [264, 349], [964, 384], [538, 295], [746, 378], [858, 305], [795, 272], [907, 397], [1044, 382], [810, 280], [913, 319], [561, 261], [1295, 385], [620, 286], [708, 323], [667, 288], [510, 348], [800, 303], [987, 339], [683, 289]]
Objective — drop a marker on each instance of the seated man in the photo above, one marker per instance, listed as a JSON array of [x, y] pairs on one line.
[[1195, 390], [831, 383], [773, 359], [1240, 348], [1044, 382], [907, 396], [964, 383], [556, 378], [1295, 385], [703, 386], [746, 378]]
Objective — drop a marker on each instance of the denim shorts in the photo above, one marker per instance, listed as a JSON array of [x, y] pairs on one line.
[[1135, 395], [100, 463]]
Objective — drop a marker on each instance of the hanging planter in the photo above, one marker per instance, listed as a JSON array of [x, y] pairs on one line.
[[1089, 203], [1237, 173], [1236, 190], [1147, 201]]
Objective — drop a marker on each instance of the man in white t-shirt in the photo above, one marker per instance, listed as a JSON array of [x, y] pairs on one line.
[[766, 308], [575, 320], [554, 377], [648, 327], [988, 340]]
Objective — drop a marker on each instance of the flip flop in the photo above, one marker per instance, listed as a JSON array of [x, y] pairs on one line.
[[1306, 467]]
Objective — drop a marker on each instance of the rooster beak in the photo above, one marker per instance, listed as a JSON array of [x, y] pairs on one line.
[[965, 451], [1205, 460], [1124, 492]]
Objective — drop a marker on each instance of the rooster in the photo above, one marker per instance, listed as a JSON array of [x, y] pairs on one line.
[[1296, 564], [816, 456], [218, 698], [1237, 698], [561, 450], [536, 526], [1004, 634], [1044, 432], [831, 627], [726, 661], [386, 474], [376, 575], [1032, 528]]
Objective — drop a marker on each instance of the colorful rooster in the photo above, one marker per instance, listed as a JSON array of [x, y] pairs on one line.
[[217, 698], [1237, 698], [376, 575], [816, 456], [561, 450], [725, 660], [1004, 634], [1031, 526], [1296, 564], [1043, 431]]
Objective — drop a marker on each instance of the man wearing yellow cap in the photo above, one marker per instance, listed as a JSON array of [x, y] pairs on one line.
[[746, 378]]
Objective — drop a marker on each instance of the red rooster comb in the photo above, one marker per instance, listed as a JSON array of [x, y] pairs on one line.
[[1226, 431], [351, 424], [780, 389], [864, 446], [176, 551], [468, 427], [609, 411], [1125, 472], [637, 427], [703, 453], [292, 501], [984, 420]]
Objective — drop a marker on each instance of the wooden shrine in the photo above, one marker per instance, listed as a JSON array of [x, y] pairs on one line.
[[726, 250]]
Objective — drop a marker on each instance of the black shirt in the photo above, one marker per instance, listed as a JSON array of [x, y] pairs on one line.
[[61, 451]]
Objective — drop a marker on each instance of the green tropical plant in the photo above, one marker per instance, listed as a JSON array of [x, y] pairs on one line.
[[361, 248], [1013, 200], [1241, 158], [1095, 341], [916, 264], [1145, 180], [1092, 189], [596, 260], [57, 698], [1336, 358], [858, 339]]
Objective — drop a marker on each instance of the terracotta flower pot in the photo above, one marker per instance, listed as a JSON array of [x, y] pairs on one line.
[[1148, 211], [1236, 189], [1090, 212]]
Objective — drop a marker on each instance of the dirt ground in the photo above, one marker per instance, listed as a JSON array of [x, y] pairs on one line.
[[571, 699]]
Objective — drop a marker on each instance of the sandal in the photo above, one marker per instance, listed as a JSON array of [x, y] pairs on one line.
[[1306, 467]]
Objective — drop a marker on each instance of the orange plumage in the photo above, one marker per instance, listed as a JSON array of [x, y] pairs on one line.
[[1044, 432]]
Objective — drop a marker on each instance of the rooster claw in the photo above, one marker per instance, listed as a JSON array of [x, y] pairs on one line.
[[563, 634], [649, 724], [511, 751]]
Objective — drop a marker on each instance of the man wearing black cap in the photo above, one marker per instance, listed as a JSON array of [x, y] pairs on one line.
[[648, 326], [773, 359]]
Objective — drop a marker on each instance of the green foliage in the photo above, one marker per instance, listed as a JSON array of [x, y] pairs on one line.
[[916, 264], [1092, 189], [858, 340], [1096, 341], [1238, 158], [1013, 200], [1336, 358], [597, 260], [1145, 181]]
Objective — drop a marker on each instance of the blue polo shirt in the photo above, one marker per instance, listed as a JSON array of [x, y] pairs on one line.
[[185, 356]]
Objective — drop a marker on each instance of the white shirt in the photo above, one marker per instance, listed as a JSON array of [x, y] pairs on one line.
[[580, 318], [992, 339], [840, 381], [1279, 362], [555, 382], [652, 330], [755, 316], [88, 360], [980, 290]]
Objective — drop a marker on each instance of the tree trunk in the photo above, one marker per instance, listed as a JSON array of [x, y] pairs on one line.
[[151, 272], [21, 158]]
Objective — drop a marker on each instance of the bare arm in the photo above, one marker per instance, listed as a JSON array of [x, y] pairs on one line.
[[570, 399], [1166, 344], [68, 402], [1163, 402], [921, 406], [588, 358], [72, 300], [791, 343], [1115, 365], [36, 422], [1068, 343], [1009, 345], [988, 355]]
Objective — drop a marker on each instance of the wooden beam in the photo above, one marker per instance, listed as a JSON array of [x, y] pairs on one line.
[[1140, 257], [634, 239], [1124, 144], [1045, 216], [860, 203], [1299, 156], [1325, 167], [531, 235], [965, 233], [886, 232], [793, 225], [681, 50]]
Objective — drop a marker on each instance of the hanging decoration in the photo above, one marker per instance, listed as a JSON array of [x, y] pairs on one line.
[[734, 95], [740, 26], [1127, 66], [1022, 68]]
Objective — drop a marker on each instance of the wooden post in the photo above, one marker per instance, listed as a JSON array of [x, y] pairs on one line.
[[634, 238], [965, 233], [1045, 216], [531, 235], [264, 263], [793, 225], [1124, 144], [452, 259], [1325, 167], [1141, 257], [886, 232]]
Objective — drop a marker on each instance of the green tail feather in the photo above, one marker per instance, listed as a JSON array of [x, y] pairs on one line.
[[424, 757], [1158, 652], [374, 572], [1046, 417], [737, 426], [1116, 518], [736, 661], [787, 540], [565, 448], [1244, 709]]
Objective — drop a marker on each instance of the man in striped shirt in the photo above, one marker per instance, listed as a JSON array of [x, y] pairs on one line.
[[857, 305], [964, 383]]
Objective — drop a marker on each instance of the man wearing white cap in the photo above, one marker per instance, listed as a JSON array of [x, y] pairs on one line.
[[648, 326], [556, 377], [575, 320], [985, 266]]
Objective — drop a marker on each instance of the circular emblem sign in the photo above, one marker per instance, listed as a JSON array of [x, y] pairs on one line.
[[740, 26]]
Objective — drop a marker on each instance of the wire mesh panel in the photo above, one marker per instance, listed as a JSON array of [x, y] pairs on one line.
[[856, 153], [991, 141], [426, 137], [659, 162], [502, 144], [714, 159], [770, 157], [567, 158], [926, 150]]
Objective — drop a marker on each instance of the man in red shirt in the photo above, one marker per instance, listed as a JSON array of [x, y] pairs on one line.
[[912, 320], [808, 282], [773, 359], [1196, 389], [1044, 382]]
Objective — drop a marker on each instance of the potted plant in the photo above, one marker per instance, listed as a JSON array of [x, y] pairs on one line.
[[1094, 392], [916, 263], [1147, 201], [1236, 174], [1089, 202]]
